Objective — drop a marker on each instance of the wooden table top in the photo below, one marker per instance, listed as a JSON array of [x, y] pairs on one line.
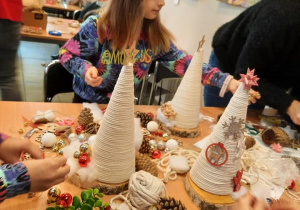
[[11, 121], [53, 24], [62, 6]]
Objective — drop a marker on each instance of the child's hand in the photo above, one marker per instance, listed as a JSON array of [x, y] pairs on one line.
[[11, 149], [92, 78], [249, 202], [46, 172], [253, 95], [294, 112]]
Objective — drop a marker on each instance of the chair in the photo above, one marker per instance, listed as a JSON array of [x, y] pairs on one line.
[[164, 84], [56, 80]]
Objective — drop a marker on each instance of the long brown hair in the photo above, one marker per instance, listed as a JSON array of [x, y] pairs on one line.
[[123, 20]]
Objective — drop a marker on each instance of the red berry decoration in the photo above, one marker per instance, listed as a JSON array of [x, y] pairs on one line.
[[150, 114], [61, 204], [107, 207], [156, 154], [293, 183], [78, 129], [67, 198], [83, 160]]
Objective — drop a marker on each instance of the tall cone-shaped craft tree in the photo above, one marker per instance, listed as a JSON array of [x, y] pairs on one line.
[[114, 148], [217, 169], [186, 101]]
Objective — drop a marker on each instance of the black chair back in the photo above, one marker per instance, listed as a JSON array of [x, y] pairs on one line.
[[56, 80]]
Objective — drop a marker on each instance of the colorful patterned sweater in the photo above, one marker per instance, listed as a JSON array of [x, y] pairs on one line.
[[14, 178], [84, 51]]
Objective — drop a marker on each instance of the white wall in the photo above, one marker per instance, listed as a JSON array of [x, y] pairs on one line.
[[191, 19]]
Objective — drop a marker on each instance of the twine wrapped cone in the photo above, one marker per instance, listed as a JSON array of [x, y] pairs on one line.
[[219, 179], [186, 101], [114, 150]]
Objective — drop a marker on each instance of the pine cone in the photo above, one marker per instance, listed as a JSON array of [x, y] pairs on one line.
[[85, 117], [145, 118], [145, 147], [143, 162], [276, 135], [92, 128], [249, 142], [170, 203]]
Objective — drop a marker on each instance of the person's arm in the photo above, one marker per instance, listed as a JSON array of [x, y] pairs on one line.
[[178, 61], [74, 55]]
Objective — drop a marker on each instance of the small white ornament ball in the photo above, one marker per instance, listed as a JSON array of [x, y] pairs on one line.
[[92, 140], [152, 126], [161, 145], [48, 139], [172, 144], [82, 137], [179, 164], [152, 142], [72, 137]]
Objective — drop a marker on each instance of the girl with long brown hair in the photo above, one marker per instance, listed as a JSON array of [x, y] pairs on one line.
[[96, 54]]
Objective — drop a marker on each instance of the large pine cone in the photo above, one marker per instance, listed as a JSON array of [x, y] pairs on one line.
[[92, 128], [145, 118], [85, 117], [145, 147], [249, 142], [170, 203], [143, 162], [276, 135]]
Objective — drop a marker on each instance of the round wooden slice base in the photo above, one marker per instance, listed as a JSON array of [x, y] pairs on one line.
[[107, 189], [206, 200], [181, 132]]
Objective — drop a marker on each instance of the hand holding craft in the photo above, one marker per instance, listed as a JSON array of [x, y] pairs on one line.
[[92, 78], [11, 149], [249, 202], [294, 112], [253, 95], [45, 173]]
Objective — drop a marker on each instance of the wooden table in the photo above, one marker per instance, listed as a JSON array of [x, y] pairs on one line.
[[54, 24], [11, 121]]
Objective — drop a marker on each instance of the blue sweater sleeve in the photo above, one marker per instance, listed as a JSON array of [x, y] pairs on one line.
[[75, 54]]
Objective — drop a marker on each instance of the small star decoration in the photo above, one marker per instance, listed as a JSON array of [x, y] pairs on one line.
[[130, 54], [249, 79], [234, 128]]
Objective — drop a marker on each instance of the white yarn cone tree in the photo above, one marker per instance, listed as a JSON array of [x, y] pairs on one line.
[[114, 149], [186, 101], [219, 161]]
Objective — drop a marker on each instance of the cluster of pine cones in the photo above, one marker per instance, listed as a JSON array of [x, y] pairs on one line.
[[170, 203]]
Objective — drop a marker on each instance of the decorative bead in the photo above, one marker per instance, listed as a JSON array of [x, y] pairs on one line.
[[166, 136], [152, 208], [67, 197], [180, 143], [172, 144], [53, 192], [55, 148], [83, 160], [167, 150], [48, 139], [21, 131], [152, 142], [78, 129], [76, 154], [82, 138], [292, 186], [156, 154], [85, 148], [153, 147], [26, 124], [60, 152], [72, 137], [152, 126], [61, 143], [161, 145]]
